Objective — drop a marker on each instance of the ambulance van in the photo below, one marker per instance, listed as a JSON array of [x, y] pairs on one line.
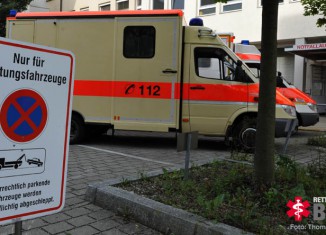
[[145, 71], [305, 106]]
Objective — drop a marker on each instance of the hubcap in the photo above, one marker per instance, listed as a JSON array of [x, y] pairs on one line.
[[248, 138]]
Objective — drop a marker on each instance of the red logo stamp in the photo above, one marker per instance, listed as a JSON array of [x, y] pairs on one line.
[[298, 208]]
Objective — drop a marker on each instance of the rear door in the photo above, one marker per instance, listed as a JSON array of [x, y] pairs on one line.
[[147, 72]]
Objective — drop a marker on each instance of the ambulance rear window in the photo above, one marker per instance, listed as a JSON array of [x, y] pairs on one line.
[[139, 42]]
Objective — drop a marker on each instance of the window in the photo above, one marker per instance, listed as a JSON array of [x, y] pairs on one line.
[[158, 4], [178, 4], [104, 7], [84, 9], [138, 5], [232, 5], [207, 7], [123, 5], [215, 63], [139, 42]]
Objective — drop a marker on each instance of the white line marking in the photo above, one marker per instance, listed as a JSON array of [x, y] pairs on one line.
[[126, 155]]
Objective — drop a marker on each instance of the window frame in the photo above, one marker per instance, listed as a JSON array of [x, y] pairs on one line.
[[202, 8], [223, 69], [138, 4], [233, 2], [158, 8], [173, 1], [84, 9], [122, 1], [104, 5], [129, 56]]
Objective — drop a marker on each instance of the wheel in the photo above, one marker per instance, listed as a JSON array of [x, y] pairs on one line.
[[0, 166], [77, 130], [16, 166], [244, 134]]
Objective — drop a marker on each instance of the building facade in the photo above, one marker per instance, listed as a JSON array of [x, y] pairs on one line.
[[243, 18]]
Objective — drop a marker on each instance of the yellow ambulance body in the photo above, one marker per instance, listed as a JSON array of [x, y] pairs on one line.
[[145, 71]]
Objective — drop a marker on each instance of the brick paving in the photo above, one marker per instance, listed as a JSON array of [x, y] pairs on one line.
[[125, 155]]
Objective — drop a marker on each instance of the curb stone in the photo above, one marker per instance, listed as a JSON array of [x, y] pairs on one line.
[[156, 215]]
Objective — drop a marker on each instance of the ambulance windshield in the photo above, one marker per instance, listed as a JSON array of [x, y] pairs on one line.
[[255, 68]]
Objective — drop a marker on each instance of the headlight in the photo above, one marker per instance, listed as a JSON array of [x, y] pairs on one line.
[[299, 100], [289, 110], [313, 107]]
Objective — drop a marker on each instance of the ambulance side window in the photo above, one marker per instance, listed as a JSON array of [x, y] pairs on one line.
[[214, 63], [139, 42]]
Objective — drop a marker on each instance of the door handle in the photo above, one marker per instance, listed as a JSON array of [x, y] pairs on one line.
[[197, 88], [169, 71]]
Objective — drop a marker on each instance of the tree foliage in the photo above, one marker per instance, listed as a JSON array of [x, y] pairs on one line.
[[315, 7], [5, 7]]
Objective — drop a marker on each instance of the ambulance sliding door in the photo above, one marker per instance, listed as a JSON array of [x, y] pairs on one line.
[[147, 73]]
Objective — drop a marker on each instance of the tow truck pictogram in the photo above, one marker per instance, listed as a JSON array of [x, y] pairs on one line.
[[19, 162], [14, 164]]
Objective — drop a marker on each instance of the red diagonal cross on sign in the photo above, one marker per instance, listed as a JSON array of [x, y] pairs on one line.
[[12, 126], [24, 116]]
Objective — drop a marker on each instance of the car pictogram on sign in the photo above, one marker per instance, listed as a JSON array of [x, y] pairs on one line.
[[23, 115]]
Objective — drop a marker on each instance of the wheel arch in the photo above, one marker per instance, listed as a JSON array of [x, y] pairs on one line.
[[77, 128], [236, 118], [78, 114]]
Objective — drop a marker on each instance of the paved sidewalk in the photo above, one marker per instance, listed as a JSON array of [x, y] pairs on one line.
[[103, 159], [132, 154]]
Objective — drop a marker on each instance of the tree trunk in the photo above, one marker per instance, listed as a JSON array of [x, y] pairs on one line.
[[265, 149]]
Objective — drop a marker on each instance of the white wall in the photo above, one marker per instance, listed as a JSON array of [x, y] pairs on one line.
[[246, 23], [38, 6]]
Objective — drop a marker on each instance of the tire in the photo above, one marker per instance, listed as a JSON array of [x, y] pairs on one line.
[[96, 130], [77, 130], [244, 135]]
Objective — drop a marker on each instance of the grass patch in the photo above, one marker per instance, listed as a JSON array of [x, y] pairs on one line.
[[319, 141], [226, 192]]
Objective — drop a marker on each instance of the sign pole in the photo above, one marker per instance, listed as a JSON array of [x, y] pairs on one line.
[[18, 228], [288, 136], [187, 160], [186, 142]]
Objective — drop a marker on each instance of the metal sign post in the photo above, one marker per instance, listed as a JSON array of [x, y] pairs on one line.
[[19, 228], [186, 142], [292, 126]]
